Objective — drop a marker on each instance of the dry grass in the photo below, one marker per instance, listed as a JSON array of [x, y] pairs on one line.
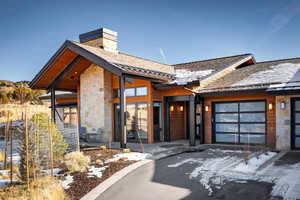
[[2, 156], [45, 188], [76, 162]]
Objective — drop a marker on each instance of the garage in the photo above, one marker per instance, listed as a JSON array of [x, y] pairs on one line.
[[295, 123], [239, 122]]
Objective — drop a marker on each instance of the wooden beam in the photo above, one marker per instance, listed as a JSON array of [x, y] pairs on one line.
[[192, 120], [122, 112], [64, 72]]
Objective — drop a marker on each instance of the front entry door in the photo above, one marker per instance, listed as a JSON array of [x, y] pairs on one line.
[[295, 124]]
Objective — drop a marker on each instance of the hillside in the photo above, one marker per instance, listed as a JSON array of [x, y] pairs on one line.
[[18, 92]]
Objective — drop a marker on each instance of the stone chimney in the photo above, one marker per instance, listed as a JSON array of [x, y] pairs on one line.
[[103, 38]]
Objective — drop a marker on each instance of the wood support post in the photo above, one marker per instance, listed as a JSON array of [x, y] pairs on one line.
[[122, 112]]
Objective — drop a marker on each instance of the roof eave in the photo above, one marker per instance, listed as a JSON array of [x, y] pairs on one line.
[[80, 51]]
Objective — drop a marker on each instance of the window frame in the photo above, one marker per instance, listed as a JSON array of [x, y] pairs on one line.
[[239, 123]]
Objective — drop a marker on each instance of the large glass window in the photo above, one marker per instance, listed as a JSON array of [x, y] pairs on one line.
[[136, 122], [240, 122]]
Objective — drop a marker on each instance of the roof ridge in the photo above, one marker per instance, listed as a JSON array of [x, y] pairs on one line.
[[147, 59], [250, 54], [267, 61]]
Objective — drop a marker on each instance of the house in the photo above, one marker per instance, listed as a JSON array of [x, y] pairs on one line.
[[125, 98]]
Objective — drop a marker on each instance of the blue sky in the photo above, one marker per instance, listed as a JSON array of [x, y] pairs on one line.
[[182, 31]]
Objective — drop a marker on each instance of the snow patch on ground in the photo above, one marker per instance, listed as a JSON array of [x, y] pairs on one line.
[[5, 182], [96, 171], [189, 160], [254, 163], [183, 76], [128, 156], [214, 172], [66, 183]]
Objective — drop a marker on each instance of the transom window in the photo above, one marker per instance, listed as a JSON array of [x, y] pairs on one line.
[[240, 122], [132, 92]]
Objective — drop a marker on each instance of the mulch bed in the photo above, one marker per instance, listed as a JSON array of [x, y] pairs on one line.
[[83, 184]]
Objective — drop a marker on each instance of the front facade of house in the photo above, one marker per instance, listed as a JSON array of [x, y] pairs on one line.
[[119, 97]]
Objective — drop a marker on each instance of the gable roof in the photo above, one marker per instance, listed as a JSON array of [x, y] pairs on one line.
[[215, 65], [117, 63], [257, 76]]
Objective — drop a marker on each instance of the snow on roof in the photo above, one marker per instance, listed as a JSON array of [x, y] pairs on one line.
[[284, 72], [184, 76]]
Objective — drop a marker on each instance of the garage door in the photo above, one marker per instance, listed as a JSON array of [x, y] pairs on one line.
[[240, 122], [296, 123]]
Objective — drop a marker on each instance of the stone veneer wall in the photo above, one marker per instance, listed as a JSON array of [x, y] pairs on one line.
[[96, 104], [283, 123]]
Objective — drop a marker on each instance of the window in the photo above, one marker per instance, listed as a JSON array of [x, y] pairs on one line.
[[131, 92], [70, 117], [240, 122], [141, 91], [136, 122]]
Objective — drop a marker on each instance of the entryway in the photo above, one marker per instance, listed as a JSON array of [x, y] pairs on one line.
[[179, 118]]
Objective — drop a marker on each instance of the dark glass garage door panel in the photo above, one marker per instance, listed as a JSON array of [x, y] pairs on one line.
[[297, 117], [297, 130], [295, 124], [252, 128], [227, 138], [252, 117], [226, 107], [297, 105], [254, 139], [228, 117], [252, 106], [227, 128], [240, 122]]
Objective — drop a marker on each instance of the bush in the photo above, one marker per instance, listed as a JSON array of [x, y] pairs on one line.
[[46, 188], [59, 145], [76, 162], [2, 156]]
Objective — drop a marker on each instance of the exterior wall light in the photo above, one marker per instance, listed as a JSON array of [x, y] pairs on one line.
[[206, 108], [283, 105], [172, 108], [181, 108], [270, 106]]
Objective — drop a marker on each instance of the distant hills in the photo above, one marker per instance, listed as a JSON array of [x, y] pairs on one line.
[[18, 92]]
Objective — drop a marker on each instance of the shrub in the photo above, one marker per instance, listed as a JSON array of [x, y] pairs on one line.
[[76, 162], [59, 145], [46, 188], [2, 156]]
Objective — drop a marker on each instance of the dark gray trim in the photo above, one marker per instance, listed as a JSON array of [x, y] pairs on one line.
[[67, 70], [192, 120], [232, 93], [122, 111], [81, 51], [94, 58], [53, 108], [283, 92], [167, 136], [143, 78]]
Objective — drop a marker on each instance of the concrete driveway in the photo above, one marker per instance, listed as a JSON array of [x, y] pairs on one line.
[[174, 178]]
